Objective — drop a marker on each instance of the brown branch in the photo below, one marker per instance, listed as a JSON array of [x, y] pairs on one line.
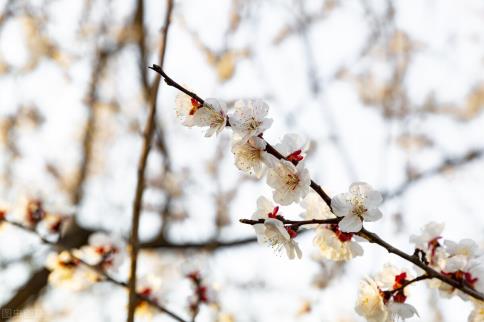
[[269, 148], [374, 238], [294, 223], [407, 283], [147, 139], [96, 268], [371, 237]]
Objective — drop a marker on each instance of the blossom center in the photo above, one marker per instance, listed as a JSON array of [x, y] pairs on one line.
[[292, 181]]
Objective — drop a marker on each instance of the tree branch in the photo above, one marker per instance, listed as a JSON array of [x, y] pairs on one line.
[[96, 268], [147, 139], [371, 237]]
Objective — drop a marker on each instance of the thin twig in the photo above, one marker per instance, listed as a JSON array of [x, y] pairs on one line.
[[147, 139]]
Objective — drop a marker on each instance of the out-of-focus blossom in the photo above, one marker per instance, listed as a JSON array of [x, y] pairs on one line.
[[290, 183], [28, 212], [293, 147], [315, 208], [382, 299], [335, 244], [51, 225], [358, 205], [272, 232], [105, 251], [460, 254], [249, 119], [149, 287], [67, 271], [251, 157], [212, 114]]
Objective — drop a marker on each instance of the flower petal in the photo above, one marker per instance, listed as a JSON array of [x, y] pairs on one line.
[[350, 224], [373, 214], [341, 205]]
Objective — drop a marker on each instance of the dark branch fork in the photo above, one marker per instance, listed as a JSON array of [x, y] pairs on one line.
[[370, 236]]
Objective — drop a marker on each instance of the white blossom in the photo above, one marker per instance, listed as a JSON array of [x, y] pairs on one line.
[[212, 114], [107, 251], [293, 147], [381, 300], [370, 302], [68, 272], [460, 254], [430, 232], [272, 232], [332, 243], [358, 205], [315, 208], [290, 182], [428, 242], [336, 245], [251, 157], [249, 119]]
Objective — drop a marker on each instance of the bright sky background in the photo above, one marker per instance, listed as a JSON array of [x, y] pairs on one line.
[[253, 283]]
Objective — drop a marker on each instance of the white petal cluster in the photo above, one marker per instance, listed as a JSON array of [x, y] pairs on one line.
[[370, 302], [428, 241], [461, 261], [272, 232], [460, 254], [109, 252], [249, 119], [293, 147], [331, 242], [251, 157], [358, 205], [68, 272], [290, 183], [381, 300], [212, 114]]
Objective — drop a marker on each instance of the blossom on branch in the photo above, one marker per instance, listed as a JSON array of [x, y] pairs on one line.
[[290, 183], [333, 244], [293, 147], [383, 299], [212, 114], [67, 271], [148, 287], [358, 205], [251, 157], [249, 119], [428, 242], [106, 251], [273, 232]]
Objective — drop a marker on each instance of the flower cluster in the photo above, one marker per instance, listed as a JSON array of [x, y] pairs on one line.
[[288, 177], [339, 223], [272, 231], [333, 243], [70, 269], [461, 261], [382, 299], [107, 252], [31, 213]]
